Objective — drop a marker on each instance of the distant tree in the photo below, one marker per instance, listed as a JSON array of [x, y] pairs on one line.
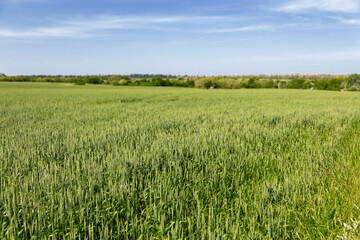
[[190, 83], [252, 82], [322, 85], [269, 83], [278, 84], [125, 77], [296, 84], [204, 82], [353, 79], [93, 80], [336, 84], [115, 83], [158, 81], [79, 81]]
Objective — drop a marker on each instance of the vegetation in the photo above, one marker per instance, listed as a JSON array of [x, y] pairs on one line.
[[104, 162], [354, 82], [318, 82]]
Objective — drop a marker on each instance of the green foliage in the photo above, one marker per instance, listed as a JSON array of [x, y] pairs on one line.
[[337, 84], [79, 81], [353, 79], [252, 82], [205, 82], [115, 83], [296, 84], [269, 83], [94, 80], [334, 84], [125, 77], [321, 82], [158, 81], [170, 163]]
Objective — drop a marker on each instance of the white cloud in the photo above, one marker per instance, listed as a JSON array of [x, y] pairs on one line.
[[349, 21], [321, 5], [344, 55], [93, 27], [242, 29], [40, 32], [140, 22]]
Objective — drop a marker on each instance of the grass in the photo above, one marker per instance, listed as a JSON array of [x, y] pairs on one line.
[[104, 162]]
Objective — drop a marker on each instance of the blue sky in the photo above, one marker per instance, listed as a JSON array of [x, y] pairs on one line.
[[194, 37]]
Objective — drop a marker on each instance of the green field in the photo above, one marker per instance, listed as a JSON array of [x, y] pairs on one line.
[[106, 162]]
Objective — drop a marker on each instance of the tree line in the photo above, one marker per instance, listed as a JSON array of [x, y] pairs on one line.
[[317, 82]]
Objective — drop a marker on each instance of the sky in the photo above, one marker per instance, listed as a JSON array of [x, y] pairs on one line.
[[182, 37]]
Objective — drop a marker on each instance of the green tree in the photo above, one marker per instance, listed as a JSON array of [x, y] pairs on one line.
[[353, 79], [336, 84], [252, 82], [296, 84], [269, 83], [93, 80]]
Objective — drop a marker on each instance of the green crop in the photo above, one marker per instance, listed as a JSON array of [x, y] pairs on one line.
[[103, 162]]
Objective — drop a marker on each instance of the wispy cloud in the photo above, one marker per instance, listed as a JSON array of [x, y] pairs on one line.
[[321, 5], [344, 55], [97, 25], [40, 32], [178, 42], [116, 21], [355, 21], [242, 29]]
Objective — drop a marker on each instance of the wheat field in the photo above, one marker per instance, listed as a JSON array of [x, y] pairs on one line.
[[107, 162]]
